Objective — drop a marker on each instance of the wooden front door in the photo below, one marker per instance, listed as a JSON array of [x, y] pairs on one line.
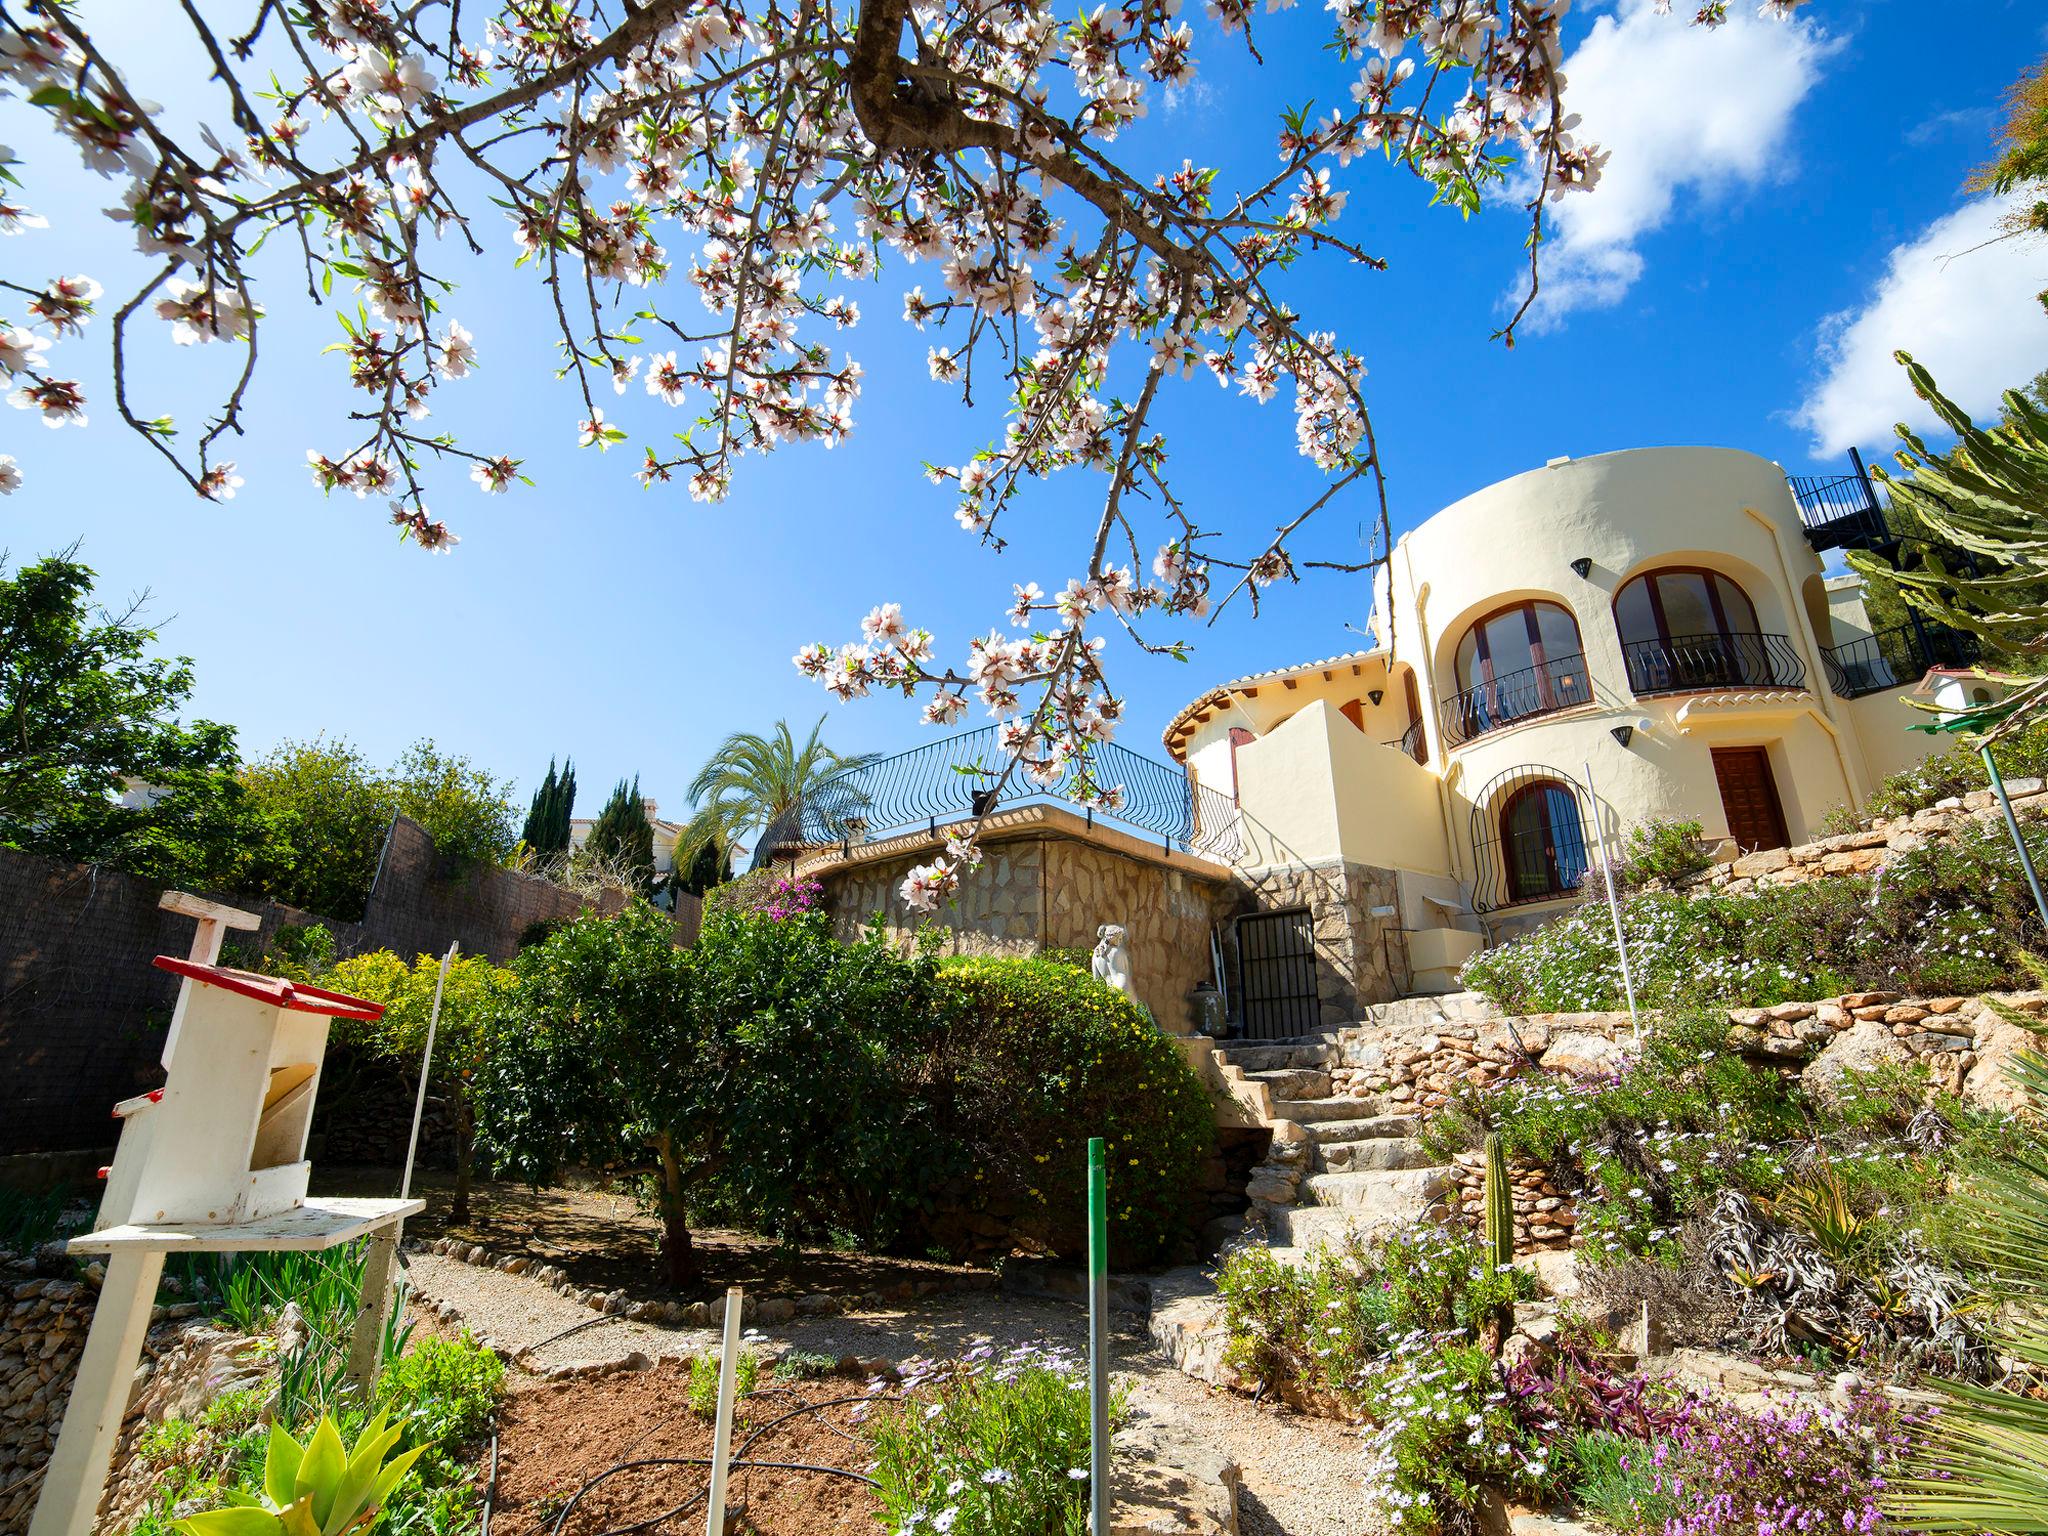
[[1750, 797]]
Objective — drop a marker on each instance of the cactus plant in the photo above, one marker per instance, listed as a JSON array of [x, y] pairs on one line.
[[1500, 1205]]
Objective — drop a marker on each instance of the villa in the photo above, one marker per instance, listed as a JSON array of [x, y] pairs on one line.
[[1572, 652]]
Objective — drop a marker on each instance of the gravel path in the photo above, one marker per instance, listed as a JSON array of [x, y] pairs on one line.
[[1301, 1474]]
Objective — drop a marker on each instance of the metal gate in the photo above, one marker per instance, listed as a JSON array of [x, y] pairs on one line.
[[1276, 968]]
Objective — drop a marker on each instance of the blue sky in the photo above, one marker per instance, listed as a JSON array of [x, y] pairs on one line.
[[1779, 214]]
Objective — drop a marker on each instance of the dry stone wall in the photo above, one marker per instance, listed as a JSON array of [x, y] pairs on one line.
[[1052, 892], [1862, 852], [1421, 1053]]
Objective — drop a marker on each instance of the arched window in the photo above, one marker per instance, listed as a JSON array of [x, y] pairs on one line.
[[1684, 628], [1519, 661], [1543, 844]]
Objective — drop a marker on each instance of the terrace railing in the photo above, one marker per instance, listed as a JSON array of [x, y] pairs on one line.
[[1558, 683], [947, 782], [1411, 742], [1705, 663], [1896, 658], [1840, 511]]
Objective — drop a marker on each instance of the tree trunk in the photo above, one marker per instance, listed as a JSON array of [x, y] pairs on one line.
[[676, 1250]]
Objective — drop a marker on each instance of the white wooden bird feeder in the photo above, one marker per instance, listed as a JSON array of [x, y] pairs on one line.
[[212, 1162]]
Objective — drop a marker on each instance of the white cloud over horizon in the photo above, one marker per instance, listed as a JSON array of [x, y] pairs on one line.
[[1962, 302], [1681, 110]]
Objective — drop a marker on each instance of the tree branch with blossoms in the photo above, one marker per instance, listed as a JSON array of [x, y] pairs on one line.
[[791, 149]]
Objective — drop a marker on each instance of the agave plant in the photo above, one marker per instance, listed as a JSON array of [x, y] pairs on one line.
[[1984, 1466], [315, 1489]]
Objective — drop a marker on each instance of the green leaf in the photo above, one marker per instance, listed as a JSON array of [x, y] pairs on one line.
[[230, 1522], [346, 269], [281, 1467], [321, 1467]]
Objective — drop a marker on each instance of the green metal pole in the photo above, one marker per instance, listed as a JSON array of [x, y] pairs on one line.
[[2012, 825], [1098, 1337]]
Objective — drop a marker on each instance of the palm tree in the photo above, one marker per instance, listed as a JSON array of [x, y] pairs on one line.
[[1985, 1465], [753, 782]]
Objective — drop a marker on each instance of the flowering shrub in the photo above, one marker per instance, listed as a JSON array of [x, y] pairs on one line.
[[988, 1445], [767, 894], [1328, 1324], [1033, 1058], [1789, 1468], [1948, 918], [1957, 770], [1664, 850], [1389, 1327]]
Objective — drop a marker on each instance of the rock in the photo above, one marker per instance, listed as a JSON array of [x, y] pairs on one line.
[[1990, 1085], [1763, 862], [1169, 1480], [775, 1310], [1861, 1047], [1187, 1326], [1556, 1272], [1583, 1055], [1273, 1185]]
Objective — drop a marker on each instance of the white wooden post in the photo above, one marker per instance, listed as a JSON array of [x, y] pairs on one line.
[[721, 1438], [76, 1477]]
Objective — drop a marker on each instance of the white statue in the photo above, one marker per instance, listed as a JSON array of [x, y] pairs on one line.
[[1112, 963]]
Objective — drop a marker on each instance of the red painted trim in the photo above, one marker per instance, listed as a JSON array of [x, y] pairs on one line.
[[276, 991]]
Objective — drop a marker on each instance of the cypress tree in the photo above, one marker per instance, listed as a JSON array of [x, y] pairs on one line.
[[547, 822], [623, 834]]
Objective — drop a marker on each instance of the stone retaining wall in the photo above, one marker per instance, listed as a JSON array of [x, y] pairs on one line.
[[1860, 853]]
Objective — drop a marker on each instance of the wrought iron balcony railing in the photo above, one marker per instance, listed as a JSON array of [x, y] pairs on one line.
[[1840, 511], [1412, 742], [1558, 684], [1896, 658], [946, 782], [1705, 663]]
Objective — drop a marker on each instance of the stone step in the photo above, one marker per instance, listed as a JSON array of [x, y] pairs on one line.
[[1314, 1112], [1293, 1084], [1370, 1121], [1277, 1056], [1370, 1210], [1375, 1152], [1389, 1192]]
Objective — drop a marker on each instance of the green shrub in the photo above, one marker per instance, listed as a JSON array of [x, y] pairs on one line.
[[804, 1365], [989, 1445], [1614, 1480], [1035, 1059], [1671, 851], [746, 1375], [1952, 917], [443, 1390], [1329, 1324], [823, 1050], [1957, 770]]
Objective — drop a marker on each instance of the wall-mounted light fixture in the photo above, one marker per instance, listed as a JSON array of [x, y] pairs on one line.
[[1623, 733], [1375, 694], [1584, 566]]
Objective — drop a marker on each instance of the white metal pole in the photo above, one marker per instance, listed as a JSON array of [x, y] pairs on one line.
[[419, 1103], [721, 1438], [1628, 982]]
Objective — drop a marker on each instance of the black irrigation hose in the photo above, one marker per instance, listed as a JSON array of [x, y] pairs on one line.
[[701, 1461], [491, 1488], [555, 1338], [701, 1494]]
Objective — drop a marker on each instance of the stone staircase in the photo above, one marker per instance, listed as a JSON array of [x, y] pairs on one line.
[[1339, 1164]]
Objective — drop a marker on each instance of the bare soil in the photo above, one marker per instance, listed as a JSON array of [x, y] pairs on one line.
[[555, 1437], [600, 1238]]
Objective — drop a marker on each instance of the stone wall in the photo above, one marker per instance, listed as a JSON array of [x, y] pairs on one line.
[[1041, 888], [83, 1011], [1360, 959], [1421, 1053], [1861, 852]]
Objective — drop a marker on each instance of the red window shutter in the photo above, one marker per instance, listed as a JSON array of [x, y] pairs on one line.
[[1238, 737], [1354, 712]]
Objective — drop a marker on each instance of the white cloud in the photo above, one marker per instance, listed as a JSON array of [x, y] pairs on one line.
[[1964, 308], [1681, 109]]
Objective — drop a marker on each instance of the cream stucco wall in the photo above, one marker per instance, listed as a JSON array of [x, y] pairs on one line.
[[1318, 788]]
